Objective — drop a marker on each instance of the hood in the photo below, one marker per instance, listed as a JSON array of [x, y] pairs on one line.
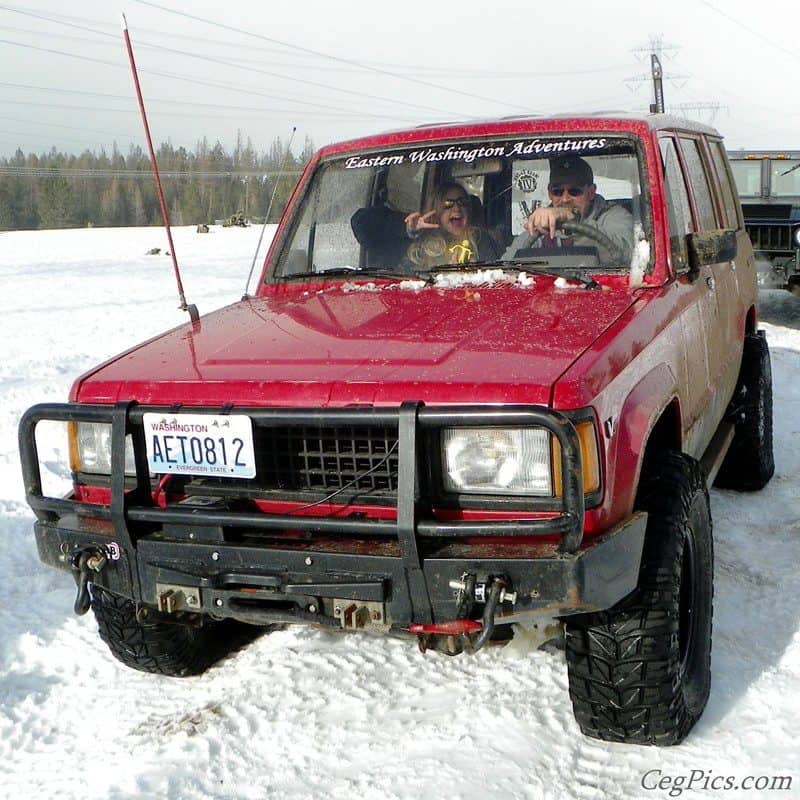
[[340, 344]]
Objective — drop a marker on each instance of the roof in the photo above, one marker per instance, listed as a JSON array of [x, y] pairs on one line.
[[755, 154], [621, 121]]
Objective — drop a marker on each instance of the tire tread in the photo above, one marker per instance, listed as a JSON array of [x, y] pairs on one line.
[[624, 663]]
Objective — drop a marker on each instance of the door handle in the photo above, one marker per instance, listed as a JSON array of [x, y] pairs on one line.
[[710, 282]]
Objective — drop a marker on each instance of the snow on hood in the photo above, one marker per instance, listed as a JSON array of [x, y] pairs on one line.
[[444, 280]]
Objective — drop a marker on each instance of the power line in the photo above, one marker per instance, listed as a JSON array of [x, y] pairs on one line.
[[329, 57], [681, 109], [317, 84], [224, 63], [660, 50], [173, 76], [26, 137], [56, 124], [45, 172], [750, 30], [206, 109], [411, 69]]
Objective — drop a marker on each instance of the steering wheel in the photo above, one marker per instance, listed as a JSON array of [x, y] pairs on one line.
[[589, 231]]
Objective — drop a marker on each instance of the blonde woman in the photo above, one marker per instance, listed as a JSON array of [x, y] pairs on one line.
[[446, 234]]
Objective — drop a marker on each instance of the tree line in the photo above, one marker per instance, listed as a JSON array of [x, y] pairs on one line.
[[59, 190]]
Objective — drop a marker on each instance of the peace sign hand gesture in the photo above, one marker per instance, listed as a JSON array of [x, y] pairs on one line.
[[416, 222]]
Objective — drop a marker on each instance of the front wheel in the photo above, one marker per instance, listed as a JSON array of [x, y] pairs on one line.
[[163, 648], [641, 672]]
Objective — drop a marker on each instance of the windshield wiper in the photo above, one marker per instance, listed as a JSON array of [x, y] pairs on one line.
[[354, 272]]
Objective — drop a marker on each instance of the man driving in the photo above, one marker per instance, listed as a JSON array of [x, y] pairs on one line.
[[574, 198]]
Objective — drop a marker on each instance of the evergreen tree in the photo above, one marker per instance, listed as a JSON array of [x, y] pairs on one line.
[[55, 202], [55, 189]]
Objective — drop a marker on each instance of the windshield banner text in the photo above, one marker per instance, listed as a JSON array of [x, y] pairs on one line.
[[468, 155]]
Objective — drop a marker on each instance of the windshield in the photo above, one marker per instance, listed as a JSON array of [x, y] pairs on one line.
[[786, 177], [558, 201]]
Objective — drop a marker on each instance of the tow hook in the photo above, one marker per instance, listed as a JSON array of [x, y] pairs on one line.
[[86, 563], [469, 591]]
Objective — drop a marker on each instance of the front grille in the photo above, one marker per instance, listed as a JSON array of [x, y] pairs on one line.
[[770, 237], [310, 458]]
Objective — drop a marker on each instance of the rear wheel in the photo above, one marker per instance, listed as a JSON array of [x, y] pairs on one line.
[[749, 463], [641, 672], [163, 648]]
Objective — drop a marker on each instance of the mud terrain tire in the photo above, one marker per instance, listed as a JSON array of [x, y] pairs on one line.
[[749, 463], [163, 648], [640, 672]]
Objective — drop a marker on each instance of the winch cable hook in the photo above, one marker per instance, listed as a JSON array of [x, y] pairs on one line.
[[85, 563], [492, 600]]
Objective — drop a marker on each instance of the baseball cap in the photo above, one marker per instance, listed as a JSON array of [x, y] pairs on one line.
[[570, 169]]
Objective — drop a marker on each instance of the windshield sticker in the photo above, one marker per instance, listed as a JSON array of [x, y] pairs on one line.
[[526, 181], [521, 148]]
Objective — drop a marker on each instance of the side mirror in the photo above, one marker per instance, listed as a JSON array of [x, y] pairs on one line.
[[711, 247]]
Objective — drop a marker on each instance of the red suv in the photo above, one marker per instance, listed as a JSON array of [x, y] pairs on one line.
[[488, 373]]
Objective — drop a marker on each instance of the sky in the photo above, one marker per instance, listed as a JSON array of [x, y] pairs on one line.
[[340, 70]]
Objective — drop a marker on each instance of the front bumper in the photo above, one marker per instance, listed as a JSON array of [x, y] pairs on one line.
[[386, 574]]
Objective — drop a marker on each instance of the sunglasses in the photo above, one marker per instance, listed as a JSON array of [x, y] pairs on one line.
[[572, 191], [461, 202]]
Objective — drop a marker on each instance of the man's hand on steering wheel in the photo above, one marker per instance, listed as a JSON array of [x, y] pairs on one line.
[[546, 219]]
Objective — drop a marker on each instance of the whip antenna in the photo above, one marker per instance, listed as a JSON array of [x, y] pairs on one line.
[[269, 209], [192, 309]]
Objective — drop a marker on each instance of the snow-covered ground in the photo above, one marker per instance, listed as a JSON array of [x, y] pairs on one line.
[[305, 714]]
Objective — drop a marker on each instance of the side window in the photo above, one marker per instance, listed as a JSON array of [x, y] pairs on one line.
[[698, 179], [404, 187], [729, 198], [324, 238], [679, 214]]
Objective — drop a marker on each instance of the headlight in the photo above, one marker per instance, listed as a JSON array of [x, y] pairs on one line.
[[514, 461], [497, 461], [90, 449], [797, 236]]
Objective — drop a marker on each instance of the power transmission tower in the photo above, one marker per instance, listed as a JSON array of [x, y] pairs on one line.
[[682, 109], [656, 50]]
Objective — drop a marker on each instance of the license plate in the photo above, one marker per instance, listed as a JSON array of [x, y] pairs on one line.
[[217, 445]]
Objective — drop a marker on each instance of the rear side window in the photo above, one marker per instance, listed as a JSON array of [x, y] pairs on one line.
[[697, 177], [679, 214], [729, 199]]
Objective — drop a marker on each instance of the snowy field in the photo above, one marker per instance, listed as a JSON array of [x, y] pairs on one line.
[[305, 714]]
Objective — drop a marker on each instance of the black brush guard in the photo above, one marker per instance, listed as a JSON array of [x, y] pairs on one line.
[[144, 548]]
